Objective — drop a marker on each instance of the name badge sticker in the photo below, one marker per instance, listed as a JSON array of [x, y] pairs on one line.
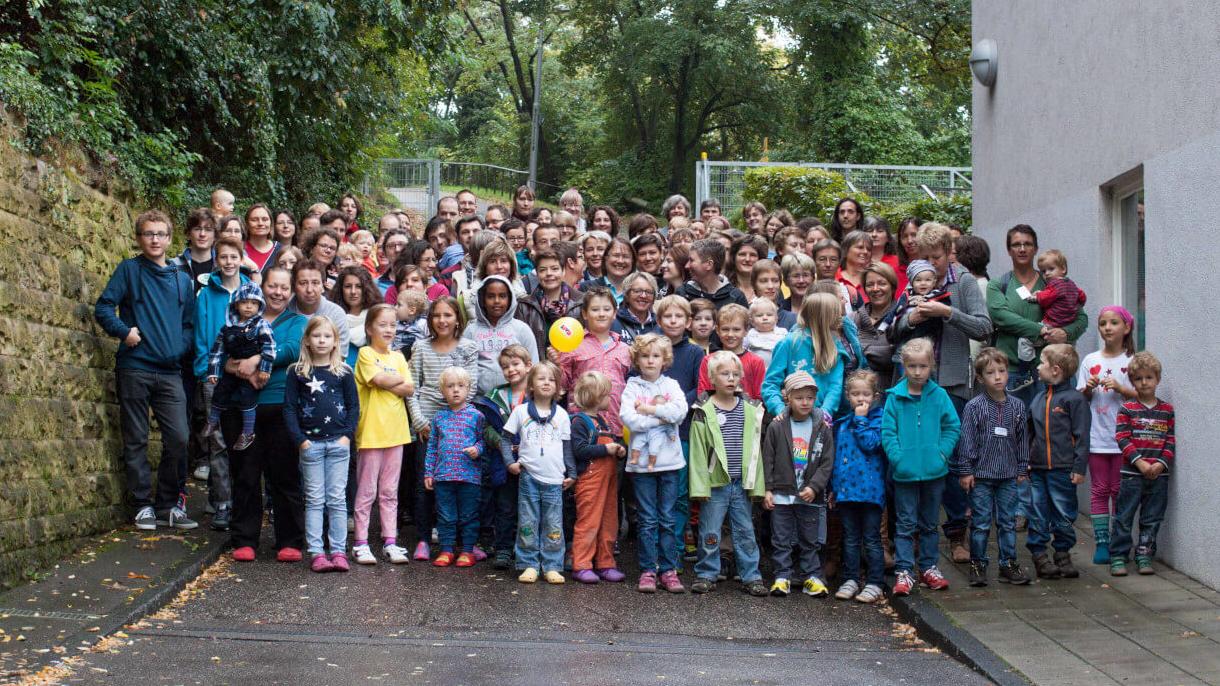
[[1023, 292], [1001, 431]]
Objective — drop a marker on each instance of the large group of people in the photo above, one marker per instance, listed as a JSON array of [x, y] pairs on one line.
[[833, 396]]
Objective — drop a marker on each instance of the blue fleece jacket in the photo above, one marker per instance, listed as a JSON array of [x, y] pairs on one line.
[[211, 313], [859, 472], [160, 302], [795, 353], [919, 432]]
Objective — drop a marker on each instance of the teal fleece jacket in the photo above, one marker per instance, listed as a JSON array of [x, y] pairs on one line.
[[211, 309], [919, 432]]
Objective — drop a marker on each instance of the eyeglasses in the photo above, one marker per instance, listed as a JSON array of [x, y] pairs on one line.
[[640, 291], [155, 235]]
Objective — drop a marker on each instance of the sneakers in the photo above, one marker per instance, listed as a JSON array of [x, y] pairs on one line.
[[422, 552], [933, 579], [244, 554], [396, 554], [222, 518], [903, 583], [364, 555], [529, 576], [1044, 568], [202, 472], [176, 519], [554, 577], [814, 587], [670, 582], [586, 576], [1118, 568], [1063, 560], [320, 564], [339, 560], [1143, 565], [611, 575], [756, 588], [957, 549], [978, 574], [146, 519], [647, 583], [465, 560], [1012, 573], [443, 560], [504, 559], [703, 586], [288, 555], [871, 593], [781, 587], [848, 590], [478, 554], [243, 441]]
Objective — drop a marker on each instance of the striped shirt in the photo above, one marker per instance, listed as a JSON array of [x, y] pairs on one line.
[[995, 439], [426, 368], [1145, 433], [732, 432]]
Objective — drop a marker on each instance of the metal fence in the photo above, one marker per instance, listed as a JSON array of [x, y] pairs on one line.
[[419, 183], [726, 182]]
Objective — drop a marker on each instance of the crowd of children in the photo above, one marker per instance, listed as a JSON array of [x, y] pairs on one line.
[[709, 424]]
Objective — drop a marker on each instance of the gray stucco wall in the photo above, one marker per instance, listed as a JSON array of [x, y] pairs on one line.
[[1088, 91]]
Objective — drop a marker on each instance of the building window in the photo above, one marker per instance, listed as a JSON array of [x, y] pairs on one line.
[[1129, 267]]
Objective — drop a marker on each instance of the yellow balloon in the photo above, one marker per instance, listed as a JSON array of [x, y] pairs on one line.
[[566, 334]]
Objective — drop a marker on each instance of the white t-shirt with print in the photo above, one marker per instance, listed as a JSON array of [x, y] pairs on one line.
[[541, 447], [1105, 403]]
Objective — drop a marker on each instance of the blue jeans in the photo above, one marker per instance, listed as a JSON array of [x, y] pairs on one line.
[[682, 503], [998, 497], [457, 513], [324, 480], [862, 525], [655, 494], [955, 499], [1023, 384], [1150, 498], [1053, 512], [733, 501], [917, 505], [539, 525]]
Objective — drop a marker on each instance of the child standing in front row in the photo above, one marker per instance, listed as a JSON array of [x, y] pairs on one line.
[[798, 456], [1102, 378], [546, 468], [383, 380], [919, 429], [992, 458], [453, 468], [1058, 461], [1146, 435], [596, 451], [859, 488], [515, 364], [725, 473], [321, 408], [653, 405]]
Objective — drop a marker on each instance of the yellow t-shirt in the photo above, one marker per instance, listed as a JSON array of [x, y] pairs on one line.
[[383, 415]]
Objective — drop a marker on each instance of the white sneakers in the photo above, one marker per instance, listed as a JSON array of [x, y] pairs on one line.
[[363, 555], [396, 554]]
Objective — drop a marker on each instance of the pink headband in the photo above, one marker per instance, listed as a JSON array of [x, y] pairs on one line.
[[1122, 313]]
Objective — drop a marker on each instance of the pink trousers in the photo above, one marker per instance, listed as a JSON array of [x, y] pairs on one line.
[[377, 471], [1104, 480]]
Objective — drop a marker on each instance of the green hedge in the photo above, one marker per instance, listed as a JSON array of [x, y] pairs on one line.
[[810, 192]]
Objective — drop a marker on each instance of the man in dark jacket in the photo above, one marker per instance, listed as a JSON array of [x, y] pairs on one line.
[[149, 305], [705, 266]]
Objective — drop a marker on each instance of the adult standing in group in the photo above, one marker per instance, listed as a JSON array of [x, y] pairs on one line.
[[523, 203], [593, 248], [755, 216], [857, 255], [394, 240], [906, 247], [261, 246], [849, 214], [649, 251], [604, 218], [874, 320], [307, 290], [619, 261], [351, 209], [884, 246], [964, 319], [149, 305], [635, 317], [321, 246], [675, 205], [743, 255], [285, 228], [272, 455]]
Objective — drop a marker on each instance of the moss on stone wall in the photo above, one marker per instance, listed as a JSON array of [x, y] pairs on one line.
[[61, 474]]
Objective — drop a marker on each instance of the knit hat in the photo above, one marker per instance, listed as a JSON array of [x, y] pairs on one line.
[[917, 266], [799, 380]]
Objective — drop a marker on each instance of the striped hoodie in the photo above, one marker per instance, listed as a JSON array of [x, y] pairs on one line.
[[1145, 433]]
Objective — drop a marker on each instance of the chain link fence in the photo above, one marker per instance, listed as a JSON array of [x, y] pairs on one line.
[[726, 182]]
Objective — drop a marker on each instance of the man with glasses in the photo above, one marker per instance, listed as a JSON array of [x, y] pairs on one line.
[[149, 305]]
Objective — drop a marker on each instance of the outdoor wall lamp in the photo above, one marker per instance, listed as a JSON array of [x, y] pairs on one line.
[[984, 62]]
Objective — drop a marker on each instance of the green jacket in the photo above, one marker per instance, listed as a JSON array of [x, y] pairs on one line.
[[919, 434], [1013, 318], [708, 462]]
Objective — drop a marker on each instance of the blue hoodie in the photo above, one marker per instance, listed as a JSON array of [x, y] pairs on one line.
[[795, 353], [919, 432], [859, 471], [211, 311], [160, 302]]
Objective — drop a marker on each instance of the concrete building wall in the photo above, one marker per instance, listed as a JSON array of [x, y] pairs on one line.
[[1087, 92]]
